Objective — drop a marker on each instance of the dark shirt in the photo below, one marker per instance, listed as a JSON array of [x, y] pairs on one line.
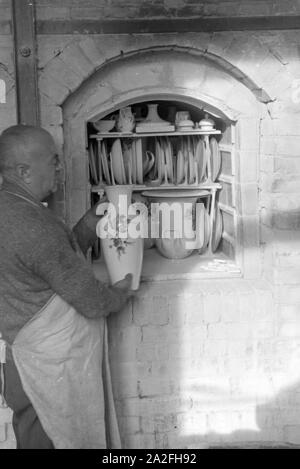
[[38, 258]]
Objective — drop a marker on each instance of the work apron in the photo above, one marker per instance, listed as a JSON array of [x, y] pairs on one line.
[[62, 359]]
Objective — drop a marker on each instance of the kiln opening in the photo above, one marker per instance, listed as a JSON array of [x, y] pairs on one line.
[[169, 152]]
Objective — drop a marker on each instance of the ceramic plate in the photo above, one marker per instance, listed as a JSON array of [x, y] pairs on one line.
[[180, 167], [169, 159], [134, 168], [215, 158], [191, 171], [217, 229], [160, 162], [139, 160], [206, 232], [100, 162], [200, 158], [105, 164], [93, 167], [175, 193], [117, 162]]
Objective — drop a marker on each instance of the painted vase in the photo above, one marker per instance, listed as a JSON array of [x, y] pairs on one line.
[[122, 254]]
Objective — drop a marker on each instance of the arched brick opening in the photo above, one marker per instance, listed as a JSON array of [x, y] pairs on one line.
[[165, 73], [190, 78]]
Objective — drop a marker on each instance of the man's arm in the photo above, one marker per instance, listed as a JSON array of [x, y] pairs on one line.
[[48, 253], [85, 229]]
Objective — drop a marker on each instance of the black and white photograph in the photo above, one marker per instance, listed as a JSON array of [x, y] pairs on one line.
[[149, 227]]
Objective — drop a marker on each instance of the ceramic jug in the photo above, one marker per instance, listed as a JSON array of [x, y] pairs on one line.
[[126, 120]]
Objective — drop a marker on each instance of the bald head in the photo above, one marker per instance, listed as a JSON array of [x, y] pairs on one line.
[[21, 144], [28, 154]]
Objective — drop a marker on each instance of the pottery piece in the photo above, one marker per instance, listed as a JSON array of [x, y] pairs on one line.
[[118, 162], [122, 255], [153, 117], [207, 123], [126, 121], [171, 242], [104, 125], [182, 116], [148, 162], [217, 229], [215, 158]]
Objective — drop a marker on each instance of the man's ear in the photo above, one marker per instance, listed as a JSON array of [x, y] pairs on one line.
[[24, 172]]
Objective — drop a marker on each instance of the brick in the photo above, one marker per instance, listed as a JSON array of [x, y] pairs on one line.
[[51, 114], [193, 308], [289, 313], [248, 134], [44, 13], [229, 308], [290, 329], [125, 380], [61, 72], [78, 174], [51, 88], [284, 124], [287, 276], [212, 308], [179, 315], [283, 220], [286, 184], [288, 294], [289, 259], [50, 47], [249, 198], [89, 47], [146, 352], [282, 146], [155, 387], [160, 314], [74, 58], [287, 165], [101, 95], [292, 434], [217, 331]]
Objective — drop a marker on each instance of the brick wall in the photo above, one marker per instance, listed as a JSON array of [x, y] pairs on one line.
[[207, 365], [200, 363], [7, 118], [121, 9], [203, 363], [7, 85]]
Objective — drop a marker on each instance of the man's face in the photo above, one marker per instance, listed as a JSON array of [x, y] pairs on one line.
[[44, 168]]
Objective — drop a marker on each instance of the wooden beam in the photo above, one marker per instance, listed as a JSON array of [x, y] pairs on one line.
[[178, 25], [25, 61]]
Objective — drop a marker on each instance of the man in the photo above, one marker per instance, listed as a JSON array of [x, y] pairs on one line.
[[52, 308]]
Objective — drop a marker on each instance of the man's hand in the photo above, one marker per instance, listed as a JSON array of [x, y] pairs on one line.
[[123, 291], [85, 229], [91, 218], [125, 285]]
